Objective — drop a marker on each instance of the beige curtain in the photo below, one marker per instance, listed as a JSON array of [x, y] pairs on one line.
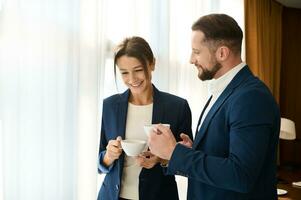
[[263, 19]]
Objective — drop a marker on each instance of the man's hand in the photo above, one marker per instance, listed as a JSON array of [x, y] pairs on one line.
[[113, 152], [186, 141], [162, 142], [147, 160]]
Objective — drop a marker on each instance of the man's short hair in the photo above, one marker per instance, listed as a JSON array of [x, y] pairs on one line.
[[220, 29]]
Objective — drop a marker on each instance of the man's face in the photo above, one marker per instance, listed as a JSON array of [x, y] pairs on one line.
[[201, 56]]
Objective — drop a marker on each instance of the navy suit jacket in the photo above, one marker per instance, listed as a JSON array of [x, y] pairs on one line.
[[153, 184], [234, 152]]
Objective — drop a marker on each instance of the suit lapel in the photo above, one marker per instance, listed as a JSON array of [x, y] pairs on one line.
[[158, 107], [240, 76], [210, 115], [121, 110]]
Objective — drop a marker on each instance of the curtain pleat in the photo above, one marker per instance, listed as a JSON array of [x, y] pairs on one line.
[[263, 20]]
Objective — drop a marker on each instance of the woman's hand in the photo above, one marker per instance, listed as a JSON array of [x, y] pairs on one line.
[[113, 152], [147, 160]]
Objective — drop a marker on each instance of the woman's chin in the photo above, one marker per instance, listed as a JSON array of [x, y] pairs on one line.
[[141, 89], [136, 90]]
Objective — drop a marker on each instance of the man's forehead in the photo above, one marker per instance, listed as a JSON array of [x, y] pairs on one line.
[[198, 36], [197, 39]]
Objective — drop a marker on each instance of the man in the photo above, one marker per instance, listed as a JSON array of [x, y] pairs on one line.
[[234, 152]]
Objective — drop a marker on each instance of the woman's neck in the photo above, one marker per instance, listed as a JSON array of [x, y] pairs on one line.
[[142, 99]]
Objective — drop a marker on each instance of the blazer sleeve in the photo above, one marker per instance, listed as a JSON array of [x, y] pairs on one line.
[[102, 147], [102, 151], [252, 123]]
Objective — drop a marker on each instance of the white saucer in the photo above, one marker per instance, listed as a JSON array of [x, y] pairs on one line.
[[281, 192], [298, 184]]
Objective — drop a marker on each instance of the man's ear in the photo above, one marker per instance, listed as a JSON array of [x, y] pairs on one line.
[[222, 53]]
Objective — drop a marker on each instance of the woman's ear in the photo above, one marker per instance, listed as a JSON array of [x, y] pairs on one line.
[[152, 66], [222, 53]]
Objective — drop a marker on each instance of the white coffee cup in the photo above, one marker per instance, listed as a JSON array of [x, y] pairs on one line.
[[133, 147], [148, 128]]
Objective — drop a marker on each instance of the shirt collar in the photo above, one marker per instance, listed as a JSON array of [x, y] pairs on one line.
[[216, 86]]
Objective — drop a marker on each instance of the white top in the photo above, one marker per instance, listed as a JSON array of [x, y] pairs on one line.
[[137, 117], [217, 86]]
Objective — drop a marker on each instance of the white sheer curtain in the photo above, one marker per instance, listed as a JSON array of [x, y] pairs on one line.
[[1, 164], [55, 69], [49, 99], [166, 25]]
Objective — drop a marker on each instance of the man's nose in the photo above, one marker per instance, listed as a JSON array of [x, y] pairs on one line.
[[192, 59]]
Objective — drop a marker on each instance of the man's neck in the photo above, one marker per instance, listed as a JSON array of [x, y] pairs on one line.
[[228, 65]]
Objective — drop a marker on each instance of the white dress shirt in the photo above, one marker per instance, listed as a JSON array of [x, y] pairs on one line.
[[217, 86]]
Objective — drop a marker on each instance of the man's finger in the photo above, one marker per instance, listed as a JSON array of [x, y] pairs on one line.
[[185, 137], [162, 128], [156, 131]]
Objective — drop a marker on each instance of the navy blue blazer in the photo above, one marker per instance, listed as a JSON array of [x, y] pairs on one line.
[[153, 184], [234, 153]]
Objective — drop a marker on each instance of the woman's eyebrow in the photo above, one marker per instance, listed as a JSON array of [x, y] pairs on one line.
[[138, 66]]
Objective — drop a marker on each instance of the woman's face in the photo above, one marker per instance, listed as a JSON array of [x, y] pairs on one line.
[[133, 74]]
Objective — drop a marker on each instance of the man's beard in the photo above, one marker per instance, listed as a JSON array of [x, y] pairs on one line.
[[209, 74]]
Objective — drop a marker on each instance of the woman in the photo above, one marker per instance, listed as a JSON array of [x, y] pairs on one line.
[[124, 116]]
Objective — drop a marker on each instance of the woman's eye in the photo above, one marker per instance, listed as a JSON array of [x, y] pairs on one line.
[[124, 73], [138, 70]]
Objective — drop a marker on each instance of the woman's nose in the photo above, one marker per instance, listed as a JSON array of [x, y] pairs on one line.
[[132, 77]]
